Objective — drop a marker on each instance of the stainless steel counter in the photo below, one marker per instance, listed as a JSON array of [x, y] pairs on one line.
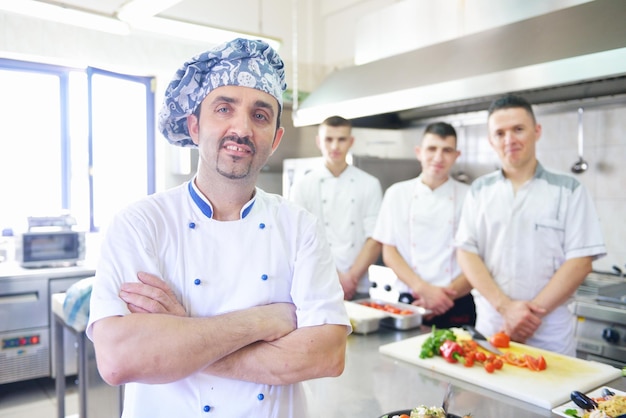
[[373, 384]]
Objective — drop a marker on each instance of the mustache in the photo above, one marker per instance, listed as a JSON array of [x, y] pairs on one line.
[[241, 140]]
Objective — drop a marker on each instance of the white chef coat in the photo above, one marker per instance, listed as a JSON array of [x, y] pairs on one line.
[[421, 224], [276, 252], [524, 237], [347, 205]]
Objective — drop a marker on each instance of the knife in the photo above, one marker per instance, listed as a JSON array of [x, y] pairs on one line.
[[481, 340]]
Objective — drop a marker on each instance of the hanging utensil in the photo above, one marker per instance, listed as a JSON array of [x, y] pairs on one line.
[[581, 165]]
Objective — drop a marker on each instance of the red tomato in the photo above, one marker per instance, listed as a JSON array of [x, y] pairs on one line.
[[469, 345], [469, 361], [500, 340], [489, 367], [498, 363], [480, 356]]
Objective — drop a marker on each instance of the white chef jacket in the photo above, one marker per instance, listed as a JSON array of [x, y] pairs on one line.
[[347, 205], [421, 224], [276, 252], [524, 237]]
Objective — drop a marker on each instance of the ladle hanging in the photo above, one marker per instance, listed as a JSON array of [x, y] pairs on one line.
[[581, 165]]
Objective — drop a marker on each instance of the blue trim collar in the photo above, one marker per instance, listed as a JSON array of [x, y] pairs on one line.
[[205, 206]]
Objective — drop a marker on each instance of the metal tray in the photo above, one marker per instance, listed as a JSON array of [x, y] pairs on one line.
[[393, 320], [364, 320]]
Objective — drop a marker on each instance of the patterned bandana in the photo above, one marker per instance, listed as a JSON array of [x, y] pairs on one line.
[[240, 62]]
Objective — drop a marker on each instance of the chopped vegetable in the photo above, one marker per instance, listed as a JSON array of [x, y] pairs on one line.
[[480, 357], [451, 351], [526, 360], [500, 340], [572, 413], [489, 367], [423, 411], [387, 307], [431, 345]]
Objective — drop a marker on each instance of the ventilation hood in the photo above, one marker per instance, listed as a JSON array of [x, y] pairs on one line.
[[574, 53]]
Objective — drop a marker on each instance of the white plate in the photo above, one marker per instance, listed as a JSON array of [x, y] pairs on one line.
[[560, 410]]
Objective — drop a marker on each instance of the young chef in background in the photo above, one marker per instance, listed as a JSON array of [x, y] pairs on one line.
[[250, 304], [346, 199], [527, 236], [416, 225]]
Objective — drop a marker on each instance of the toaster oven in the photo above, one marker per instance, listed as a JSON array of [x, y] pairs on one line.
[[41, 249]]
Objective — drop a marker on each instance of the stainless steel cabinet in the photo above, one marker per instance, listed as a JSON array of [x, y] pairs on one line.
[[26, 321]]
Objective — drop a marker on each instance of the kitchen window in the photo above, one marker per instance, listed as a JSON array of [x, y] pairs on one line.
[[77, 141]]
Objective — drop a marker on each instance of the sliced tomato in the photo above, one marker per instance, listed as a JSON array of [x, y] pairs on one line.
[[531, 362], [514, 360], [541, 362]]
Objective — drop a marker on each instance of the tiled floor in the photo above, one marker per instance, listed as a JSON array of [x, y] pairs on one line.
[[36, 399]]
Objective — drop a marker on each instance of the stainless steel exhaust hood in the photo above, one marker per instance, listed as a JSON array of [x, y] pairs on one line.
[[574, 53]]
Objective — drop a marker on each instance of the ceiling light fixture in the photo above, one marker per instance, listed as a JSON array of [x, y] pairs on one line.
[[190, 31], [64, 15], [136, 15], [140, 9], [141, 15]]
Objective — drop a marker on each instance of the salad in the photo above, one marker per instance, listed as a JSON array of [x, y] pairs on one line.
[[424, 411]]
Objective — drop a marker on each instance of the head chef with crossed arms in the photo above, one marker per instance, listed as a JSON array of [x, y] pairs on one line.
[[215, 296]]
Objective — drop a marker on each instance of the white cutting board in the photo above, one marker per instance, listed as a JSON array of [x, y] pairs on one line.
[[547, 388]]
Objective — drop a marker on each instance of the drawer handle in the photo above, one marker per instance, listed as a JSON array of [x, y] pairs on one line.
[[19, 298]]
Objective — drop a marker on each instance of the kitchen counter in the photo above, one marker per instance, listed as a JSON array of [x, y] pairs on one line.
[[374, 383]]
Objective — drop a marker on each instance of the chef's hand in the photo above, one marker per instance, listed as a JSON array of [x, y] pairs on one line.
[[151, 295], [280, 319], [522, 319], [348, 284], [438, 299]]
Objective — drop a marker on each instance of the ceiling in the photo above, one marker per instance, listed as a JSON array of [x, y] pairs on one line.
[[219, 15], [227, 16]]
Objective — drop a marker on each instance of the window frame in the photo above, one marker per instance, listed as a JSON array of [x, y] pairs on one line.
[[63, 73]]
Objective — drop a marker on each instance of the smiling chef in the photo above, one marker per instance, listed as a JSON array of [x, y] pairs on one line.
[[238, 300]]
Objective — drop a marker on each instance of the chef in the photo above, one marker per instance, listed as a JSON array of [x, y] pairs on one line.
[[346, 199], [416, 225], [237, 300], [528, 236]]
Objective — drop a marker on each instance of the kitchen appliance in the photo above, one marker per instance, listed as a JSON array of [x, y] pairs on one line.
[[50, 242], [601, 327], [582, 55], [26, 331]]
